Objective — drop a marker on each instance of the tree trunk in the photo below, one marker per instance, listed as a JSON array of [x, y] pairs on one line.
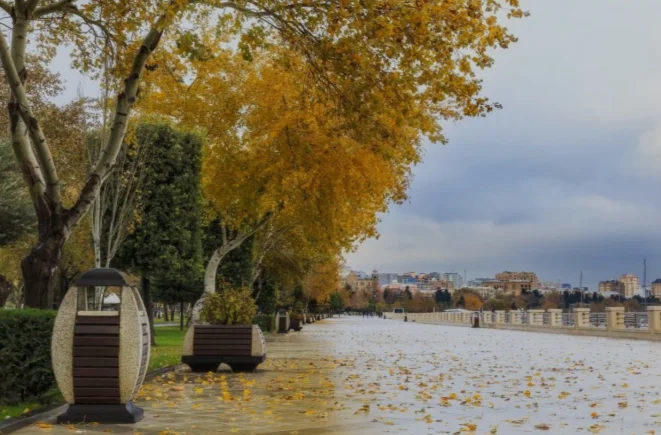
[[6, 288], [166, 313], [39, 267], [181, 316], [149, 306], [173, 310]]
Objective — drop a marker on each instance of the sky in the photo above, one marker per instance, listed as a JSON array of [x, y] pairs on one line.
[[564, 179]]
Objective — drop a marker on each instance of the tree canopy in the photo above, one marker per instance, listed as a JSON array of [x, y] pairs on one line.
[[352, 86]]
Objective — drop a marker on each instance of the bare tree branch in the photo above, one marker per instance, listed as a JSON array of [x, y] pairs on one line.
[[59, 6], [7, 7], [34, 130]]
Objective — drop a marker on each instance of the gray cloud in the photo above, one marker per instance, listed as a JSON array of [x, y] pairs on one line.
[[564, 178]]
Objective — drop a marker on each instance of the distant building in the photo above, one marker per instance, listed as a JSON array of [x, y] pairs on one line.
[[477, 282], [656, 288], [406, 279], [514, 283], [611, 286], [386, 278], [549, 286], [631, 285], [456, 278], [565, 286], [354, 280], [486, 292], [434, 275]]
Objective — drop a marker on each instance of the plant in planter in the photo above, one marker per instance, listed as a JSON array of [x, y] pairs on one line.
[[222, 332], [296, 317]]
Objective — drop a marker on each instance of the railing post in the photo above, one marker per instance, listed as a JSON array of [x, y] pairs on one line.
[[536, 317], [614, 318], [500, 317], [515, 317], [556, 317], [466, 318], [654, 319], [582, 318]]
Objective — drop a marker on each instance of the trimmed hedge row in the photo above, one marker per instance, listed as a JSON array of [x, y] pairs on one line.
[[25, 359]]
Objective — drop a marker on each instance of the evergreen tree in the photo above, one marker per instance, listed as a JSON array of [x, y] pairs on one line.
[[337, 302], [166, 245]]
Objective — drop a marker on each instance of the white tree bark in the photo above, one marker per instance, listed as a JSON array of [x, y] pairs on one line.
[[228, 245]]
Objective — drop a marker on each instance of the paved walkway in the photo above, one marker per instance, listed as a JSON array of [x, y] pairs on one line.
[[373, 376]]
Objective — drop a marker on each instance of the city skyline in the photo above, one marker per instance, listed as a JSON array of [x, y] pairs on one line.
[[562, 180], [467, 278]]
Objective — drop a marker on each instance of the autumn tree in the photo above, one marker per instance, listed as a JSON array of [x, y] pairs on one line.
[[415, 60], [284, 119]]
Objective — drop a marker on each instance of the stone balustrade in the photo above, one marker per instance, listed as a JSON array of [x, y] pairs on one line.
[[614, 323]]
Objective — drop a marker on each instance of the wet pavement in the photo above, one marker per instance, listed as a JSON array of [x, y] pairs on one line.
[[372, 376]]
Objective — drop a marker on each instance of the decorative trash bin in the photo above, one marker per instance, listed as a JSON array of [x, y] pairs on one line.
[[100, 351], [283, 321]]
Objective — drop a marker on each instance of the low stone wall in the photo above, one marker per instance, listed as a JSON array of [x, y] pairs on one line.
[[552, 321]]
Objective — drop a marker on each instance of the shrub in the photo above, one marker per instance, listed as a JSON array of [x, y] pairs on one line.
[[297, 311], [264, 321], [25, 359], [229, 307]]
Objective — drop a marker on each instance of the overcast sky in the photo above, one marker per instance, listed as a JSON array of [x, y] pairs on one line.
[[566, 177]]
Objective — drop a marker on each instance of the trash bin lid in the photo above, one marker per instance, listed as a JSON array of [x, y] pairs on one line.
[[102, 276]]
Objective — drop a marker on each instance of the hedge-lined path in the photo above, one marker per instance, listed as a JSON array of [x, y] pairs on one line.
[[373, 376]]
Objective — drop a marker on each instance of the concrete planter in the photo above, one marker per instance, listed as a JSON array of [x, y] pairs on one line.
[[296, 324], [242, 347], [100, 353]]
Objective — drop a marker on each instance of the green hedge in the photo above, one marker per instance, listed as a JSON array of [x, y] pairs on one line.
[[265, 321], [25, 361]]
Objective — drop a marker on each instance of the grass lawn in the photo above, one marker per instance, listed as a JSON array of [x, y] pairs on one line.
[[52, 396], [162, 320], [13, 411], [167, 351]]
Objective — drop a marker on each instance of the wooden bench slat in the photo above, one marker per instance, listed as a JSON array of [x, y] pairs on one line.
[[97, 400], [96, 330], [81, 362], [97, 320], [112, 351], [95, 392], [103, 341], [96, 382], [96, 372], [222, 340]]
